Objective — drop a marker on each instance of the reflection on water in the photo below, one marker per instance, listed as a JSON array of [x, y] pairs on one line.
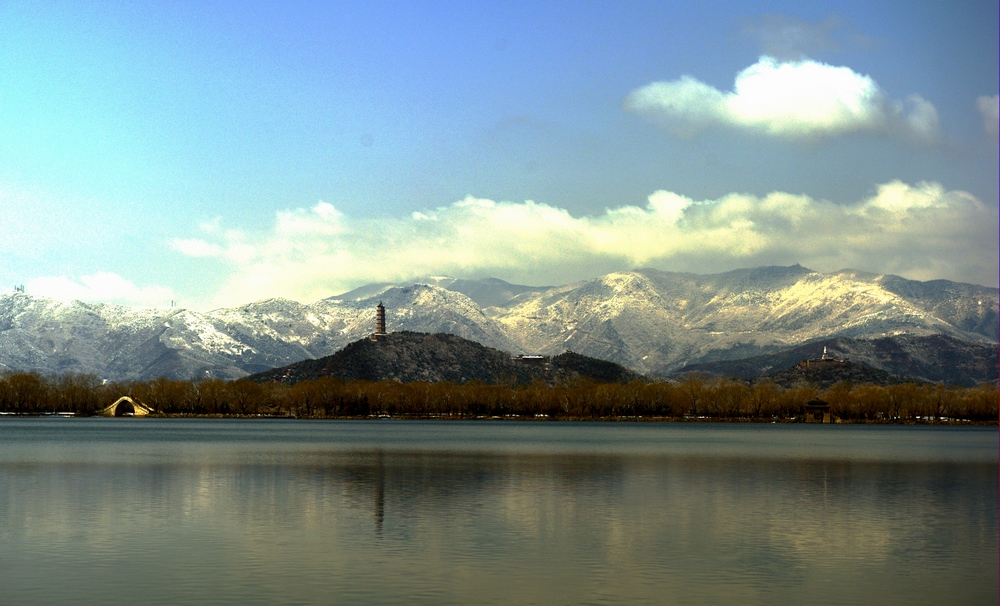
[[161, 511]]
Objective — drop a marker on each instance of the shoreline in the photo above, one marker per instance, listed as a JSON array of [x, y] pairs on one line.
[[947, 422]]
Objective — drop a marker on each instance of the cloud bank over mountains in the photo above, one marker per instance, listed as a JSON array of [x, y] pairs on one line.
[[796, 99], [102, 286], [919, 231]]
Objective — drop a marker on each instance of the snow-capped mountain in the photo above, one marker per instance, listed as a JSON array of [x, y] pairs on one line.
[[655, 322], [651, 321], [121, 343]]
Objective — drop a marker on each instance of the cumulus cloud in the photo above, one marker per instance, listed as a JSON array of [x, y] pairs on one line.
[[989, 107], [103, 287], [920, 231], [789, 99]]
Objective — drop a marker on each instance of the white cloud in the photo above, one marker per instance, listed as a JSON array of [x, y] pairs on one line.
[[101, 287], [920, 231], [989, 107], [791, 99]]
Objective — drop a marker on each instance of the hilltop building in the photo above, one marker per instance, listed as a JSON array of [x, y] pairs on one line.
[[379, 322], [532, 360], [824, 360]]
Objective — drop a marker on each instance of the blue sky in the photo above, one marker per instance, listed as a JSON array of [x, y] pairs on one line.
[[219, 153]]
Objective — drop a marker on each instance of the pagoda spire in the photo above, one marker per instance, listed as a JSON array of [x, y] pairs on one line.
[[379, 321]]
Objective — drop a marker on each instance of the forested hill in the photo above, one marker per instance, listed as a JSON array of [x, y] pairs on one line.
[[827, 375], [930, 358], [411, 356]]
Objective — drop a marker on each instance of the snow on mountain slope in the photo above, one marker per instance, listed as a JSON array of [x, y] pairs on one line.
[[651, 321], [486, 292], [55, 337], [655, 322], [120, 343]]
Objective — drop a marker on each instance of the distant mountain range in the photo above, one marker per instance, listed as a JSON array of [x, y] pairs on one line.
[[746, 322]]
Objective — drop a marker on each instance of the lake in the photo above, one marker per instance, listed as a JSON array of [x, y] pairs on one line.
[[226, 511]]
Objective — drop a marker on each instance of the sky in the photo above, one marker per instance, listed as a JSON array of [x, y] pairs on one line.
[[209, 154]]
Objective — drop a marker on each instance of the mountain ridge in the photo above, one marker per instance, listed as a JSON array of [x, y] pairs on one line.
[[651, 321]]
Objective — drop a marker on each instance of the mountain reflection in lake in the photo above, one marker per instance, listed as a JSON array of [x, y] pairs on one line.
[[223, 511]]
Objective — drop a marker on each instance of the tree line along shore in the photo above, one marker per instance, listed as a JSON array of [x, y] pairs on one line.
[[693, 398]]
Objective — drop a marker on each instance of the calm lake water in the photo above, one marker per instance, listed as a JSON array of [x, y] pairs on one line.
[[168, 511]]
